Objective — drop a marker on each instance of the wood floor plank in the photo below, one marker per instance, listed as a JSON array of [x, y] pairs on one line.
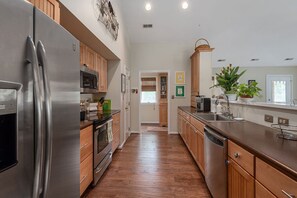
[[151, 164]]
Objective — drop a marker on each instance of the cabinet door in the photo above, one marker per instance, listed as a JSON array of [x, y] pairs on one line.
[[163, 114], [90, 58], [86, 173], [240, 183], [103, 75], [195, 74], [49, 7], [82, 54], [200, 150], [194, 142]]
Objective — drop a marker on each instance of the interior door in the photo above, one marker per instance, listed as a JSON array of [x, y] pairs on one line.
[[127, 106], [16, 21]]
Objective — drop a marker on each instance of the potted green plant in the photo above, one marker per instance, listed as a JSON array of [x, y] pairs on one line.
[[246, 92], [227, 79]]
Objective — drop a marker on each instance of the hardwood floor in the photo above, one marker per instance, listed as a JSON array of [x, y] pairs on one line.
[[151, 165]]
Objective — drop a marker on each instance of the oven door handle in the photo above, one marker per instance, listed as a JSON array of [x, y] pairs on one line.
[[104, 124]]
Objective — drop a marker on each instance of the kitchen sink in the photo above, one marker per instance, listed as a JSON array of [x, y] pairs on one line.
[[212, 117]]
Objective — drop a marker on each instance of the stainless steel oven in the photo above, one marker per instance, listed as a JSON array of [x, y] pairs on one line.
[[102, 147], [88, 80]]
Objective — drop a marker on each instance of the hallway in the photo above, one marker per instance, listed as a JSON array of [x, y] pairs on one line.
[[151, 165]]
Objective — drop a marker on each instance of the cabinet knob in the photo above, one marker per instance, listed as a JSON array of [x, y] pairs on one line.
[[236, 155]]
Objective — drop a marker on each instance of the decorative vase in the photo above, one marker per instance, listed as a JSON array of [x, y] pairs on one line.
[[231, 97]]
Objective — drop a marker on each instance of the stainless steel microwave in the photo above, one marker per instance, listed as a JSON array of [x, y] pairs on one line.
[[88, 80]]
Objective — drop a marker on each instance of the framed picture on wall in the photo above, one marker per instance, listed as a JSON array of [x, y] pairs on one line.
[[123, 83], [180, 78], [180, 91]]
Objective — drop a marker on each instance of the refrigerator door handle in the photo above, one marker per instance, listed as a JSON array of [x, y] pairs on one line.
[[31, 58], [41, 54]]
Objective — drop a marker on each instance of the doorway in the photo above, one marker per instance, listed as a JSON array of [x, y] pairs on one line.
[[153, 103], [279, 88]]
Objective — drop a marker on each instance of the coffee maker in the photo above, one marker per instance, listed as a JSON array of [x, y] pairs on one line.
[[203, 104]]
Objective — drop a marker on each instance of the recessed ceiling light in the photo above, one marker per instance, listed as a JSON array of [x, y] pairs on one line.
[[289, 59], [148, 6], [185, 5], [221, 60], [255, 59]]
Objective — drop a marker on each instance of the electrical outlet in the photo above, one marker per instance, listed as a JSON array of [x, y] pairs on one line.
[[268, 118], [284, 121]]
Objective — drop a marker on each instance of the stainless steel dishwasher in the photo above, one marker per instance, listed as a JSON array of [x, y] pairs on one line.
[[215, 154]]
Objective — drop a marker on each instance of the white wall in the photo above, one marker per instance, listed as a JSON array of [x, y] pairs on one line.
[[85, 12], [259, 74], [160, 57]]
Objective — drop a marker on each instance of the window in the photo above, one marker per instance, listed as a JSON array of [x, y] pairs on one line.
[[148, 97], [279, 88], [148, 90]]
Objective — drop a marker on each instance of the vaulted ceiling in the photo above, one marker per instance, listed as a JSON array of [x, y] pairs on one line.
[[238, 30]]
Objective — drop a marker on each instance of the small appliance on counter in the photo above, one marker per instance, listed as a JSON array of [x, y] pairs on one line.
[[88, 80], [203, 104]]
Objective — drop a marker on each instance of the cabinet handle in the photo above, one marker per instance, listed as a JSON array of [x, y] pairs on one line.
[[236, 155], [83, 179], [288, 195], [83, 146]]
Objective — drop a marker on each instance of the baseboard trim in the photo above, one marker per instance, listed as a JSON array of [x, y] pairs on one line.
[[173, 133], [148, 122]]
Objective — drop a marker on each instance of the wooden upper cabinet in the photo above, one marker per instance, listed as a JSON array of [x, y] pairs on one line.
[[49, 7], [101, 66], [240, 182], [90, 58], [82, 59], [195, 74]]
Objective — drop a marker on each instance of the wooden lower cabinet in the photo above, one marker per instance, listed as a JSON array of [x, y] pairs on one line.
[[262, 192], [192, 132], [86, 158], [200, 150], [116, 125], [163, 112], [86, 173], [240, 182], [274, 180]]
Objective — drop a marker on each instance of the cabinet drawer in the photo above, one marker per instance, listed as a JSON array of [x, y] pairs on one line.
[[197, 124], [86, 142], [244, 158], [274, 180], [187, 116], [262, 192], [86, 173]]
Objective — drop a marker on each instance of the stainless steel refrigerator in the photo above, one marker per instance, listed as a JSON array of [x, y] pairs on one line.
[[39, 105]]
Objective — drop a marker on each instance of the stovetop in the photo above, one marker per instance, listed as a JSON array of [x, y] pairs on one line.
[[98, 117]]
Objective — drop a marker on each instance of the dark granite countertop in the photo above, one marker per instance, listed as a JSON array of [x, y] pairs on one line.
[[95, 116], [259, 140]]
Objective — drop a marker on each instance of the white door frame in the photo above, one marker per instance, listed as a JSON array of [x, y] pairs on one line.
[[268, 85], [168, 95]]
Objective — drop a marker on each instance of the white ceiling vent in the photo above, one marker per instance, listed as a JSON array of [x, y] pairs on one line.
[[147, 26]]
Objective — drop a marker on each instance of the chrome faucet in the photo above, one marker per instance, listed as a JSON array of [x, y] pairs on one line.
[[226, 109]]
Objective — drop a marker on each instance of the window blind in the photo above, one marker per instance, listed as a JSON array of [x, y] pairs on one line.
[[148, 84]]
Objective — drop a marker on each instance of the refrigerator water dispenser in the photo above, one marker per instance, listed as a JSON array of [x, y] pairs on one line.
[[8, 128]]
